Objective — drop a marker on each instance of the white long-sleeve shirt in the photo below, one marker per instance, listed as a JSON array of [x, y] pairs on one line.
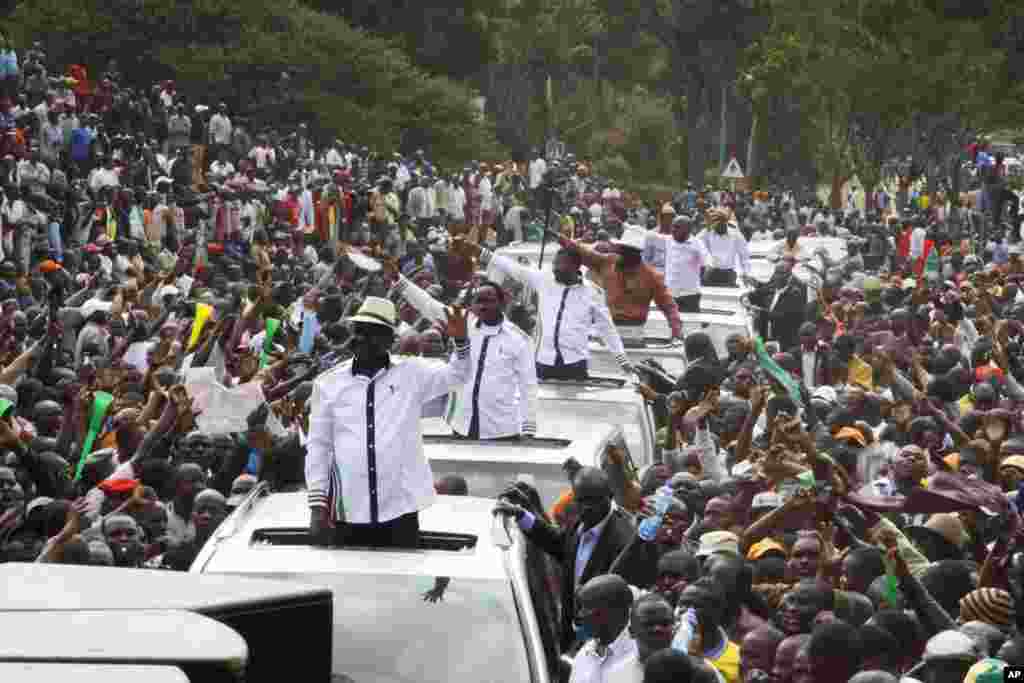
[[567, 313], [416, 205], [503, 379], [683, 261], [588, 667], [538, 167], [365, 437], [917, 240], [728, 251]]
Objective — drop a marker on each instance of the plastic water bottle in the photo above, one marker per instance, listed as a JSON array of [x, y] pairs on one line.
[[650, 525], [685, 630]]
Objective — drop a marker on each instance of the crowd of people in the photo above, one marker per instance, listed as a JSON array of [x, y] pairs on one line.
[[836, 497]]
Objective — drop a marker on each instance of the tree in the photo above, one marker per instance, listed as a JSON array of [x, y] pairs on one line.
[[346, 83]]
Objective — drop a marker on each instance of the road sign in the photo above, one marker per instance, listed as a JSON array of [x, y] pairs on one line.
[[733, 170]]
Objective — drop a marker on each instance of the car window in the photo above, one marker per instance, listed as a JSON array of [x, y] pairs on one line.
[[385, 632]]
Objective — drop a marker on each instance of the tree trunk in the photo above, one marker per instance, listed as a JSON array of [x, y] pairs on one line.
[[723, 135], [752, 149], [696, 130], [836, 196]]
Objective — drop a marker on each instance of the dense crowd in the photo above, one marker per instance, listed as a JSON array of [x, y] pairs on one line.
[[181, 298]]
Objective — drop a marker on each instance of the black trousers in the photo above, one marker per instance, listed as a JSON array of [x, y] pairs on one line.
[[688, 304], [719, 277], [401, 532], [564, 371]]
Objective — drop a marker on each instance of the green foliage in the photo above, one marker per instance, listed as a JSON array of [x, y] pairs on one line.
[[347, 83]]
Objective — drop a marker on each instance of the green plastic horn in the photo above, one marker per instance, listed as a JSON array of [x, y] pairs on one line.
[[101, 402], [273, 325]]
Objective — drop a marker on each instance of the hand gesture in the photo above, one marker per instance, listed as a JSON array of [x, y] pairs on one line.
[[758, 398], [8, 434], [509, 509], [647, 392], [456, 327]]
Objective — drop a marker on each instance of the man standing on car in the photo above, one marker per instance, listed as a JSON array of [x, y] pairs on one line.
[[365, 469], [631, 285], [499, 399], [569, 307], [685, 258]]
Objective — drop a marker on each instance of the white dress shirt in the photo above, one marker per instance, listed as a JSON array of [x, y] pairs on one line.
[[365, 436], [593, 665], [728, 251], [683, 261], [917, 240], [503, 379], [567, 313], [538, 167]]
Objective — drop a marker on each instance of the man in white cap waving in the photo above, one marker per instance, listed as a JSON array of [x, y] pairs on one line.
[[365, 469], [629, 283]]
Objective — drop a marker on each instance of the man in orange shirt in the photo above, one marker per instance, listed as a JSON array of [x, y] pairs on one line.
[[630, 284]]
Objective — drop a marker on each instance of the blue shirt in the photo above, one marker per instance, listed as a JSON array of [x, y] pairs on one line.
[[81, 138], [589, 539]]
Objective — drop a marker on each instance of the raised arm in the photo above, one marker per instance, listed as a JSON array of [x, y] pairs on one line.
[[668, 306]]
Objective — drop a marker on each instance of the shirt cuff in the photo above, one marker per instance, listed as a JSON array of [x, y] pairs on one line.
[[527, 521], [529, 428], [317, 499]]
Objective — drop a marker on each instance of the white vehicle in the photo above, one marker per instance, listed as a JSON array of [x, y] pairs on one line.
[[575, 419], [489, 467], [498, 619]]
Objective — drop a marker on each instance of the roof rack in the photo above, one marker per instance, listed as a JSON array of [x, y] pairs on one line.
[[536, 442], [428, 540], [592, 381]]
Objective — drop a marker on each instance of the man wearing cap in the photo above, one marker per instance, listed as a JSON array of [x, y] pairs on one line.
[[730, 256], [365, 467], [630, 285], [569, 308]]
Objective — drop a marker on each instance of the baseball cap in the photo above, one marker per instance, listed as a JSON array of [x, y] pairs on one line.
[[718, 542]]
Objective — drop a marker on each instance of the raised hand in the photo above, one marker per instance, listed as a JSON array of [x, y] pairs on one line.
[[456, 327]]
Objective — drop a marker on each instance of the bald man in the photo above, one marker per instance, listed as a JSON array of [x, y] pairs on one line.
[[604, 604], [586, 550]]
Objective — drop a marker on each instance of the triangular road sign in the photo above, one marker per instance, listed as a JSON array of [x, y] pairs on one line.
[[733, 170]]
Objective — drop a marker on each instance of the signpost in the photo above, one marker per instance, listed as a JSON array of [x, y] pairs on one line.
[[733, 172]]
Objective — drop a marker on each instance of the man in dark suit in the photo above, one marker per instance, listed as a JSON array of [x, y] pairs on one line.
[[784, 300], [589, 548]]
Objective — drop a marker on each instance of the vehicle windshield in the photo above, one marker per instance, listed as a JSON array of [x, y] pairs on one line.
[[385, 632]]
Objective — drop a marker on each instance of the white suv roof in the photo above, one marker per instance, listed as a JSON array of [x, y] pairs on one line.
[[239, 545]]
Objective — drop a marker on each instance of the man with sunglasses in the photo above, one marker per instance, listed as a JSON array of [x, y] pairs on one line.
[[366, 472]]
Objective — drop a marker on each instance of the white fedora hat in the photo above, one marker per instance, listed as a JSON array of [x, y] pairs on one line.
[[633, 237], [376, 311]]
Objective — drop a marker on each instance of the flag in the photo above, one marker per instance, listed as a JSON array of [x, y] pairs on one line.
[[273, 324], [777, 372]]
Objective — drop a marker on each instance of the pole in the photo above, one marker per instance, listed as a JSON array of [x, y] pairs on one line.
[[549, 192]]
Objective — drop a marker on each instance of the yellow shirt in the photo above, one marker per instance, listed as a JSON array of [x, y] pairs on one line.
[[728, 663]]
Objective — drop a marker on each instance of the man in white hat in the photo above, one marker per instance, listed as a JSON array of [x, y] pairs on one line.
[[629, 283], [365, 469]]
